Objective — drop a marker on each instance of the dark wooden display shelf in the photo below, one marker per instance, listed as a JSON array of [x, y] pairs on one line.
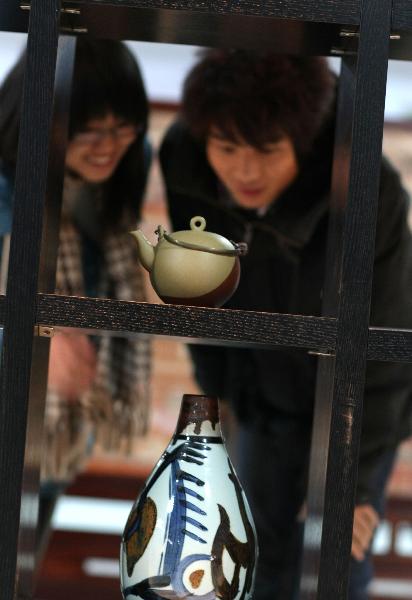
[[296, 26], [212, 325], [321, 11], [216, 325], [328, 12], [360, 32]]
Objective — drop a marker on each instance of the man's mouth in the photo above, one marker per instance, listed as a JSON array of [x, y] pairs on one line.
[[251, 191]]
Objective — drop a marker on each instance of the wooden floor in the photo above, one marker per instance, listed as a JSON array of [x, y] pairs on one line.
[[67, 570], [84, 565], [73, 557]]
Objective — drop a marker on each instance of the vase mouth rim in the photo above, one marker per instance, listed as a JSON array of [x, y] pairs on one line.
[[199, 397], [200, 412]]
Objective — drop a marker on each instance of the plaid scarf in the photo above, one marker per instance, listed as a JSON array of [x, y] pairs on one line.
[[114, 411]]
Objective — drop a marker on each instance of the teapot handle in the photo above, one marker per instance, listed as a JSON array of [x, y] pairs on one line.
[[239, 249]]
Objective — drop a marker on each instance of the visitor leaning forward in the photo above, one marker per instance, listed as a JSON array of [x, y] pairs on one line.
[[252, 152]]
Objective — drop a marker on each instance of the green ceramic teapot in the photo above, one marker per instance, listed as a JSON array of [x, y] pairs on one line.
[[194, 266]]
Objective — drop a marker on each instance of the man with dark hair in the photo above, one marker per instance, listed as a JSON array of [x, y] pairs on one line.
[[252, 153]]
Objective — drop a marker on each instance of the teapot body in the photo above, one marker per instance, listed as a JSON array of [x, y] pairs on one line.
[[193, 277], [193, 267]]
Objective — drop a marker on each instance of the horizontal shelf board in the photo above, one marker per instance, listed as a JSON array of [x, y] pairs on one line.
[[12, 18], [323, 11], [214, 325], [402, 15], [393, 345], [211, 29], [246, 328], [293, 27]]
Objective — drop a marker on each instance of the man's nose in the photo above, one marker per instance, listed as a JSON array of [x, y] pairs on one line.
[[248, 167]]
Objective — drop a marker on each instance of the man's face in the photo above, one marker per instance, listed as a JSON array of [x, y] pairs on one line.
[[254, 177]]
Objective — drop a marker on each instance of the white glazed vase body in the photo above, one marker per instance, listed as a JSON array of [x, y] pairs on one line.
[[190, 533]]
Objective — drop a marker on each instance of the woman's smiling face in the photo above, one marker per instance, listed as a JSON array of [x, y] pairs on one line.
[[95, 152], [254, 177]]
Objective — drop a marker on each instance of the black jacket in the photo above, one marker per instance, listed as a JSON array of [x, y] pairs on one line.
[[284, 272]]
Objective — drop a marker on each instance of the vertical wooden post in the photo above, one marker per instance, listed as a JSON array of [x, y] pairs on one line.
[[31, 547], [341, 379], [21, 298]]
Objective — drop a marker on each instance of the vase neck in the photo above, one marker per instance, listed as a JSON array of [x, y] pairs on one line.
[[199, 416]]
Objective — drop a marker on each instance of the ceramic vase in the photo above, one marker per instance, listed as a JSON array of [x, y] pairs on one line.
[[190, 533]]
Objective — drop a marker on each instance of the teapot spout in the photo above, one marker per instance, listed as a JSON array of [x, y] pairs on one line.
[[145, 249]]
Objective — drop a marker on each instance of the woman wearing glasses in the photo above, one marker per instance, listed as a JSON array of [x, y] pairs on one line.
[[97, 390]]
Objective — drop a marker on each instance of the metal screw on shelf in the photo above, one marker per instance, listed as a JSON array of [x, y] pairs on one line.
[[44, 331], [323, 354], [74, 29], [347, 33], [71, 11]]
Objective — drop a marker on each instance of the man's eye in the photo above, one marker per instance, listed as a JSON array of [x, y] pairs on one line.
[[269, 150], [226, 148]]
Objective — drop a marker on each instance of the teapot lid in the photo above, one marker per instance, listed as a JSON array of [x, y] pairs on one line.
[[198, 239]]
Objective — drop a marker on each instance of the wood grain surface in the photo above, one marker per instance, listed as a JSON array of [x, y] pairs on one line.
[[21, 300], [330, 11]]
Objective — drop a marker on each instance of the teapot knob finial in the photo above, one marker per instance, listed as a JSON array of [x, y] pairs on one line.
[[198, 223]]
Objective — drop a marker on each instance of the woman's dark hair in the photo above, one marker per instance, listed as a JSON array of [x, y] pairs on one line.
[[258, 97], [106, 79]]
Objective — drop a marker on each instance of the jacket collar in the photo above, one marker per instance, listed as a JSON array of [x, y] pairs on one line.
[[298, 211]]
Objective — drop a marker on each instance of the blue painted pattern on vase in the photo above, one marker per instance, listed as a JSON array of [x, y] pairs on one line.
[[190, 533]]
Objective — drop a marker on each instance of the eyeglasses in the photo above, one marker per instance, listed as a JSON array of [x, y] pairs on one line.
[[122, 133]]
